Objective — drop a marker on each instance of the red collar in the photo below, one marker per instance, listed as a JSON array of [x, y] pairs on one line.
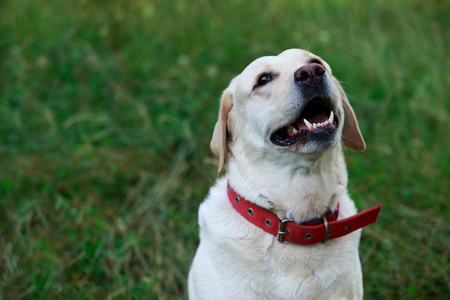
[[312, 232]]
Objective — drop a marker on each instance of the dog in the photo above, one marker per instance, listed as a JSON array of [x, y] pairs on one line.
[[281, 126]]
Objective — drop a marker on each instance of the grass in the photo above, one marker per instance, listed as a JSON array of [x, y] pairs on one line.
[[106, 113]]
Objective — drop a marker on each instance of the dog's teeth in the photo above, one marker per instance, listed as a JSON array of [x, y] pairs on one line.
[[331, 119], [315, 126], [291, 130], [307, 124]]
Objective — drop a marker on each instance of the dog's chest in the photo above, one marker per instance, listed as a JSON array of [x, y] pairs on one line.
[[257, 257], [268, 268], [249, 260]]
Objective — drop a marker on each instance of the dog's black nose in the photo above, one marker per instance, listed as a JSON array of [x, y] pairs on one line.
[[310, 74]]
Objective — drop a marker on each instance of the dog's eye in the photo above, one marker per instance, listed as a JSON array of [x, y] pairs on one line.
[[264, 79]]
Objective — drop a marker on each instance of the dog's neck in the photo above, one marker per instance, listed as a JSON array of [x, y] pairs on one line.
[[298, 191]]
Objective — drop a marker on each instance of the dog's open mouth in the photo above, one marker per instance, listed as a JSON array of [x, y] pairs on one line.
[[317, 116]]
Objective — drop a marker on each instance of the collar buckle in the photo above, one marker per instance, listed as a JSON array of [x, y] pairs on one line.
[[282, 231]]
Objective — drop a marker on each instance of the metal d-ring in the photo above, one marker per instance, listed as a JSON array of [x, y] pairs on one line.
[[327, 231]]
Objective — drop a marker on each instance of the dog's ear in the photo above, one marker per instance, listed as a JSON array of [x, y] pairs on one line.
[[221, 130], [351, 135]]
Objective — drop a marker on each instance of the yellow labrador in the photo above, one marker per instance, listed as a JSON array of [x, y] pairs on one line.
[[281, 225]]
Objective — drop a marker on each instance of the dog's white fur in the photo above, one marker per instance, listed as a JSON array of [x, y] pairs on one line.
[[237, 260]]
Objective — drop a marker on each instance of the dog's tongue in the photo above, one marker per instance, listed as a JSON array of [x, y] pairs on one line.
[[319, 118]]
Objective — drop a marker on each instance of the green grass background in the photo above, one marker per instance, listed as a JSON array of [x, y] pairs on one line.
[[107, 109]]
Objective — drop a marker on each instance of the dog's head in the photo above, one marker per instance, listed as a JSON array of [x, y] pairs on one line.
[[290, 102]]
